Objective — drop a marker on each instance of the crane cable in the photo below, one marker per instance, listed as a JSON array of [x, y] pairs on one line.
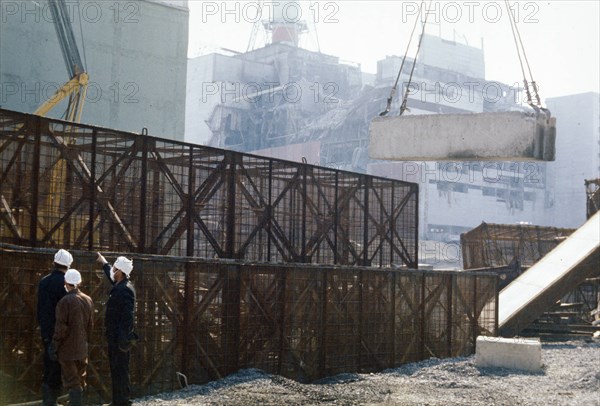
[[393, 91], [75, 65], [520, 48], [81, 94], [82, 44], [403, 107]]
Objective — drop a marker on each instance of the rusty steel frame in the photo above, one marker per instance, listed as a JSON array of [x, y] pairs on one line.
[[82, 187], [592, 191], [500, 245], [207, 319]]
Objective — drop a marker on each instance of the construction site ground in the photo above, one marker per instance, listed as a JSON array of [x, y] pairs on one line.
[[570, 376]]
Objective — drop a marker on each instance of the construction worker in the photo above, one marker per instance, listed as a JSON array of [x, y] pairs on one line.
[[50, 290], [120, 309], [70, 343]]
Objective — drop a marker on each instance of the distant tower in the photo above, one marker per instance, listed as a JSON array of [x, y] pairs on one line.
[[285, 24]]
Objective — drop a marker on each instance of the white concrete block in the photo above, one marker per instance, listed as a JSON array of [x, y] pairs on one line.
[[513, 135], [515, 353]]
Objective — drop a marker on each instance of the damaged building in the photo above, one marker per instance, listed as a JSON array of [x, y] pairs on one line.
[[292, 103], [288, 102]]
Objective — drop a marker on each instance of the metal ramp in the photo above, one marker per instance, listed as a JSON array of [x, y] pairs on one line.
[[557, 273]]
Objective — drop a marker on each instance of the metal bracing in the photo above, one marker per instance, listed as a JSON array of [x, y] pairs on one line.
[[75, 186], [207, 319], [592, 190], [500, 245]]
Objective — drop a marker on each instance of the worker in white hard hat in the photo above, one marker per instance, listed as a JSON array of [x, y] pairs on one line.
[[50, 290], [70, 343], [119, 324]]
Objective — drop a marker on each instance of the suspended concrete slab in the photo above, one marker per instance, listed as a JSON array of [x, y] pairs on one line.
[[503, 136]]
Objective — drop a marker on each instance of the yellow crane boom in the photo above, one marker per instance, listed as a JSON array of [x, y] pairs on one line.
[[76, 87]]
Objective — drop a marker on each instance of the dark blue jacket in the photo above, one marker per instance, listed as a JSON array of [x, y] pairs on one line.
[[120, 309], [50, 290]]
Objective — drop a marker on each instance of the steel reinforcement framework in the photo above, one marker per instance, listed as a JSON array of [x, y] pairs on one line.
[[240, 261], [82, 187], [206, 319], [499, 245]]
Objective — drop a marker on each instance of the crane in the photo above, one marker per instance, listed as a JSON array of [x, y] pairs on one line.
[[75, 89]]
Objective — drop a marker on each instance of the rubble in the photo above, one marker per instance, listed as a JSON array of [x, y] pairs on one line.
[[570, 375]]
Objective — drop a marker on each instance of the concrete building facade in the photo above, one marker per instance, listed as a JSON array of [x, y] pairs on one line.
[[135, 54], [260, 98], [577, 155]]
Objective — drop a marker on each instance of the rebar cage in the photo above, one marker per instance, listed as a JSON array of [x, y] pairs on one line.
[[499, 245], [207, 319], [82, 187]]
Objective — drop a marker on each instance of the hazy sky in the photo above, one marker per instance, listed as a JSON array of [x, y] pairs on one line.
[[561, 38]]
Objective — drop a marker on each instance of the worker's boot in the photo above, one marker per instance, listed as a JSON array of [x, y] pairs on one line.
[[49, 395], [76, 397]]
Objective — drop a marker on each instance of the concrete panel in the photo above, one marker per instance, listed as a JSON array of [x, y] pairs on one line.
[[510, 136], [515, 353], [577, 154]]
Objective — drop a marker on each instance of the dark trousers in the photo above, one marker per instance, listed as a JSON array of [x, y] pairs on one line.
[[119, 373], [51, 375]]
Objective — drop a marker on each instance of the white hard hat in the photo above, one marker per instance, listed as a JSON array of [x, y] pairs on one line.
[[123, 264], [73, 277], [63, 257]]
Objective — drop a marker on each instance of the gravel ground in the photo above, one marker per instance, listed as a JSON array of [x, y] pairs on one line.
[[570, 376]]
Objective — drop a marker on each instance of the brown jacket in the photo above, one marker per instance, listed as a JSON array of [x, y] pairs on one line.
[[74, 323]]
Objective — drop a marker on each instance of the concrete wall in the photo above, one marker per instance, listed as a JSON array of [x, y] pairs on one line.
[[577, 155], [443, 90], [136, 53], [452, 55], [201, 98], [173, 3]]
